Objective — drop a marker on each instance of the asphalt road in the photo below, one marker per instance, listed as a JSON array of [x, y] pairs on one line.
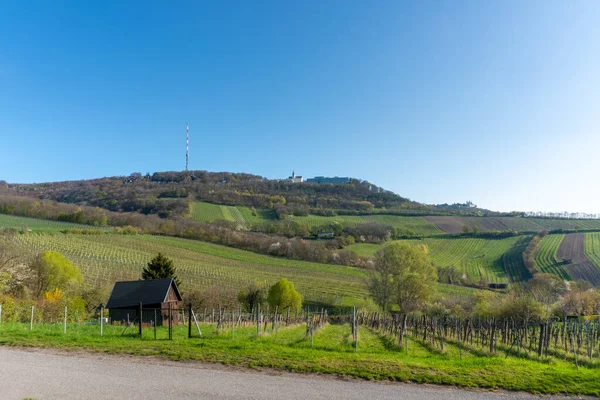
[[45, 375]]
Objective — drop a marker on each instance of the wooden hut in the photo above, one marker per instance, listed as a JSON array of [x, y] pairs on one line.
[[156, 296]]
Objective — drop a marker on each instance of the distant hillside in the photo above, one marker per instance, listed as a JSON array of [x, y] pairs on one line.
[[170, 194], [342, 224]]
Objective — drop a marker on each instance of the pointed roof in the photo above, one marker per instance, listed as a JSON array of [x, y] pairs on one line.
[[132, 293]]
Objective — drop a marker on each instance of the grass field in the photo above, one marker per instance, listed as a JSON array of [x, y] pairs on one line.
[[478, 258], [331, 351], [208, 212], [40, 225], [415, 225]]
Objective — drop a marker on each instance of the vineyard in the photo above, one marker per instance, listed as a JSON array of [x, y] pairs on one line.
[[108, 258], [451, 224], [39, 225], [480, 259], [592, 247], [547, 356], [545, 257]]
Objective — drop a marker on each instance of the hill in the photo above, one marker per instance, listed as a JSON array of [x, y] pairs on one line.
[[340, 224]]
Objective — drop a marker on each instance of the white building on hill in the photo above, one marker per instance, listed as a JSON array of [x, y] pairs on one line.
[[295, 179]]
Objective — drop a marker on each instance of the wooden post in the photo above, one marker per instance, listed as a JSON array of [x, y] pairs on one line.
[[258, 320], [31, 324], [232, 325], [101, 320], [0, 313], [190, 321], [170, 322], [196, 321], [65, 323], [155, 321], [140, 319], [355, 324]]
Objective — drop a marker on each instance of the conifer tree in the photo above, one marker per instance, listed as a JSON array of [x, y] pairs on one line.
[[160, 267]]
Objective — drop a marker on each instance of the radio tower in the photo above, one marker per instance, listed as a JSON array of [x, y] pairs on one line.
[[187, 145]]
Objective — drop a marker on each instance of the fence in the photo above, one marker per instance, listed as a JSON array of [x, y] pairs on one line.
[[136, 321], [576, 339]]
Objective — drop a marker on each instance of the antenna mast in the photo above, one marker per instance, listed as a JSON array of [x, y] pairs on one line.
[[187, 145]]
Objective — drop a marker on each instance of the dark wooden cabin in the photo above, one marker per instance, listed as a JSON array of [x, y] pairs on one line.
[[155, 295]]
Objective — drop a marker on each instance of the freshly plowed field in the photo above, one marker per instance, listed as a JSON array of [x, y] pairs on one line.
[[572, 248]]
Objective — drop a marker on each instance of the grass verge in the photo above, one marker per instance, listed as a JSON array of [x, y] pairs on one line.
[[330, 352]]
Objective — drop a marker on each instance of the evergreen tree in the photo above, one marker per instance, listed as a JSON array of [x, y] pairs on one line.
[[160, 267]]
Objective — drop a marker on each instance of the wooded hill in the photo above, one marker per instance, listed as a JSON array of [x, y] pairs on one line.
[[323, 223], [170, 194]]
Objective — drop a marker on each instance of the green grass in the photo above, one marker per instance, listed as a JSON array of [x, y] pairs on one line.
[[592, 248], [545, 257], [108, 258], [208, 212], [415, 225], [377, 358], [40, 225], [478, 258]]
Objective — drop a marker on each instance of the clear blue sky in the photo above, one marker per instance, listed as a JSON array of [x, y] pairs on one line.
[[497, 102]]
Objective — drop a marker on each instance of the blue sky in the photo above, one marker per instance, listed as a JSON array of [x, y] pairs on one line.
[[497, 102]]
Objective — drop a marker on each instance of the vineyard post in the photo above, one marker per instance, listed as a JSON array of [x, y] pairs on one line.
[[101, 320], [276, 326], [31, 323], [196, 322], [458, 330], [170, 322], [258, 320], [65, 321], [574, 351], [140, 319], [190, 321], [232, 325], [0, 313], [355, 329]]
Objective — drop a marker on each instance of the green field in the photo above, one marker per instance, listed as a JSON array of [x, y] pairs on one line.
[[592, 247], [414, 225], [478, 258], [108, 258], [330, 351], [545, 257], [456, 224], [40, 225], [208, 212]]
